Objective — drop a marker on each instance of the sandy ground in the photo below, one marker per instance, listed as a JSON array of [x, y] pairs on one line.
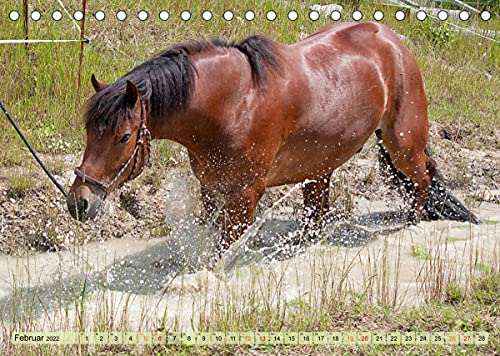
[[176, 277]]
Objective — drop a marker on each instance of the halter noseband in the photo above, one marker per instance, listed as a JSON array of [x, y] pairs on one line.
[[143, 141]]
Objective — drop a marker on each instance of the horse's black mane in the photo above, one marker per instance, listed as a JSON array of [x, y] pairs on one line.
[[167, 80]]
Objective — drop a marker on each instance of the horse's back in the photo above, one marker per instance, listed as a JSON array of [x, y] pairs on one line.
[[369, 42], [352, 35]]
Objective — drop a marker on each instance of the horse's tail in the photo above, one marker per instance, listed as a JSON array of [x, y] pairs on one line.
[[440, 203]]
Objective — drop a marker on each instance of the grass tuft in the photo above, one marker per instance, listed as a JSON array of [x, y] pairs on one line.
[[19, 184]]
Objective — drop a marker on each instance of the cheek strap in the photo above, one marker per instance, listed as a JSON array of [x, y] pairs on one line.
[[143, 141]]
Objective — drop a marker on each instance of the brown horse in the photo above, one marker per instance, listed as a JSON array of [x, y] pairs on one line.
[[259, 114]]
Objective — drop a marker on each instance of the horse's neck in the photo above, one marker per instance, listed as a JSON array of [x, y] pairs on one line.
[[216, 95]]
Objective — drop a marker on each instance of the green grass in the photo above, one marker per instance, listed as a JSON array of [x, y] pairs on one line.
[[19, 184], [455, 239], [482, 267], [419, 252], [490, 221], [454, 294]]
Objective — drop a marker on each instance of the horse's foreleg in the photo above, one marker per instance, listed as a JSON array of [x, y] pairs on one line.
[[210, 201], [238, 213]]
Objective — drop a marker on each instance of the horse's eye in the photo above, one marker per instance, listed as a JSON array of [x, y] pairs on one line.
[[125, 138]]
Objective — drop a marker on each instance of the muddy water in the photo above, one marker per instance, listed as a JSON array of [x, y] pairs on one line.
[[139, 282]]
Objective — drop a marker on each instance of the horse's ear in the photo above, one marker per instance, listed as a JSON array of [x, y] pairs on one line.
[[97, 84], [132, 94]]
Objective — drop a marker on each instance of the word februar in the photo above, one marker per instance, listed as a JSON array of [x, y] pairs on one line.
[[35, 337]]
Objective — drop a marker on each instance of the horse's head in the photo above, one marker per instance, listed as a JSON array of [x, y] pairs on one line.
[[117, 146]]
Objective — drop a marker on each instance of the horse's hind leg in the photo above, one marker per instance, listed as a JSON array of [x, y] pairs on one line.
[[316, 202], [406, 147]]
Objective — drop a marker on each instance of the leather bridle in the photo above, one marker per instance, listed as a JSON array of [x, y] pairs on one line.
[[143, 142]]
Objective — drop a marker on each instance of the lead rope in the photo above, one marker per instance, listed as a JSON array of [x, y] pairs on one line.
[[33, 152]]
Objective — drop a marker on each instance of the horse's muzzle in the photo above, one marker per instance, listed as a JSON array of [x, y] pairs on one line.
[[83, 204]]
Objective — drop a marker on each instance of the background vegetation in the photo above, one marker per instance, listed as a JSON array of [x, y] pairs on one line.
[[39, 82]]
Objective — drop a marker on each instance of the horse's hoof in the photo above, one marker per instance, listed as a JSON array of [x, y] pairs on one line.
[[222, 247], [312, 234], [412, 219]]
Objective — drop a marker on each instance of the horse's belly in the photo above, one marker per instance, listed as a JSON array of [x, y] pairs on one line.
[[297, 161], [316, 151]]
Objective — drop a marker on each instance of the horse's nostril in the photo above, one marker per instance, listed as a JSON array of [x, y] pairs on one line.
[[85, 205]]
